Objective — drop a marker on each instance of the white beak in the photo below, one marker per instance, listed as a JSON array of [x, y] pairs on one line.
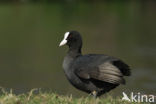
[[64, 41]]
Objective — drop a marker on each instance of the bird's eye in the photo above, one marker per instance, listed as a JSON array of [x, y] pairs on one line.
[[70, 36]]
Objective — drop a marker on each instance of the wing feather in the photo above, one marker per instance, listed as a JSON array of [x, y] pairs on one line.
[[105, 72]]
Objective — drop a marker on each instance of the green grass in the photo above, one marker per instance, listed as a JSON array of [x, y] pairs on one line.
[[53, 98]]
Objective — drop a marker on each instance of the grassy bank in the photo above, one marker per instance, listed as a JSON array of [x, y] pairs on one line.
[[52, 98]]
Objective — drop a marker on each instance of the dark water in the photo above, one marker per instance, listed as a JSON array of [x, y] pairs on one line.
[[30, 35]]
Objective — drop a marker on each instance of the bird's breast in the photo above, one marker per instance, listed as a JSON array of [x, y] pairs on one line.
[[69, 72]]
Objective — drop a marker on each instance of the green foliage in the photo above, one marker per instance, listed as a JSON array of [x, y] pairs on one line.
[[53, 98]]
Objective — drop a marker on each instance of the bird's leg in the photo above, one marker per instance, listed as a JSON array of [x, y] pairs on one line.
[[90, 94], [94, 93]]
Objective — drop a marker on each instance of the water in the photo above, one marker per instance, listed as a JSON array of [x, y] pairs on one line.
[[30, 35]]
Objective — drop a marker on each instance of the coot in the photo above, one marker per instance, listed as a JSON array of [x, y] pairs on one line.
[[93, 73]]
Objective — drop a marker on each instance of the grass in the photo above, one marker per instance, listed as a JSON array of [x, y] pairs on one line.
[[53, 98]]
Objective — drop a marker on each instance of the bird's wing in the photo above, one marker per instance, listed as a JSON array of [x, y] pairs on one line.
[[103, 71], [106, 72]]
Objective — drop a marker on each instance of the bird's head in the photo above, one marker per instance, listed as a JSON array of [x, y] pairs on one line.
[[72, 39]]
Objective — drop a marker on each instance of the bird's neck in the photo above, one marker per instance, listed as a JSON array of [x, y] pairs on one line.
[[74, 52]]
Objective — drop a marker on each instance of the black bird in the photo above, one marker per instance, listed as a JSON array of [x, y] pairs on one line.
[[93, 73]]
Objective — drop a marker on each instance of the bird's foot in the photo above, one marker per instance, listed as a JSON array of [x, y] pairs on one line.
[[94, 93]]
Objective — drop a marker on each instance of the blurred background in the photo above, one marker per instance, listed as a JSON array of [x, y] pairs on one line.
[[31, 30]]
